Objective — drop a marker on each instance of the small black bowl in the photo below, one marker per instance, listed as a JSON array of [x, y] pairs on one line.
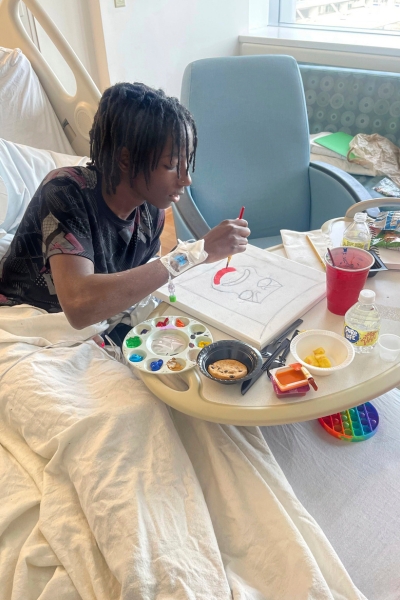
[[230, 349]]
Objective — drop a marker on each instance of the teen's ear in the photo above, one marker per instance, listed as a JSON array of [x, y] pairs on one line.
[[123, 162]]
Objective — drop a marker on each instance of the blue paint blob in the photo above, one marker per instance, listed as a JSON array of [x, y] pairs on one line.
[[156, 365], [135, 358], [144, 331]]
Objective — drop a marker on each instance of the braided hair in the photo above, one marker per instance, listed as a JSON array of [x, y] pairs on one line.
[[142, 120]]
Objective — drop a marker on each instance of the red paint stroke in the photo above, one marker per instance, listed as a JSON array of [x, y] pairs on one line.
[[219, 274], [162, 323]]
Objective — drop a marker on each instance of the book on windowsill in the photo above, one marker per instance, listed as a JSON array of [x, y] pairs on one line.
[[338, 142]]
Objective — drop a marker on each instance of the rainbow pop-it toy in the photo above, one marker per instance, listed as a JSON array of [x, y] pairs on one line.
[[353, 425]]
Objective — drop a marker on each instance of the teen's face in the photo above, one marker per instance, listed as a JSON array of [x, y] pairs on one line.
[[165, 187]]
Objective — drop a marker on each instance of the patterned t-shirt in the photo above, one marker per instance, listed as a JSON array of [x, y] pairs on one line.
[[68, 215]]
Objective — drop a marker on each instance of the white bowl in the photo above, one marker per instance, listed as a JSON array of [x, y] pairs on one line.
[[339, 350]]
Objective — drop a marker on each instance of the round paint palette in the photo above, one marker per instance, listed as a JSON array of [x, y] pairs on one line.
[[165, 345], [354, 425]]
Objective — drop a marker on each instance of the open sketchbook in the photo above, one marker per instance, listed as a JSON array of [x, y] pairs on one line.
[[254, 300]]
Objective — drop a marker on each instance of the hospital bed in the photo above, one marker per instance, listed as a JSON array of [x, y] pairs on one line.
[[53, 490]]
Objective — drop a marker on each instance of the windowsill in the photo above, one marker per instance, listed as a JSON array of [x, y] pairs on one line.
[[339, 41]]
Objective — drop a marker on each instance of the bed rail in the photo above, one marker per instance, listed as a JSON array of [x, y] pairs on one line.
[[75, 113]]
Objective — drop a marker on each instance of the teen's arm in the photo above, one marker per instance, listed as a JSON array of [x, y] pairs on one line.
[[87, 297]]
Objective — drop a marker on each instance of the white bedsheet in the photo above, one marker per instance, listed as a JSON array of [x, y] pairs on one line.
[[106, 494]]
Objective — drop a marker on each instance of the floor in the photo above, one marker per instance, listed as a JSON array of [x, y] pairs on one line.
[[168, 238]]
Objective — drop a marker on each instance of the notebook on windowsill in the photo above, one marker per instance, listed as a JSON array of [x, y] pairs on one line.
[[337, 142]]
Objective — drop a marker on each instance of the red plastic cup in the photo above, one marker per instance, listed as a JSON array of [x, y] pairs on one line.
[[346, 279]]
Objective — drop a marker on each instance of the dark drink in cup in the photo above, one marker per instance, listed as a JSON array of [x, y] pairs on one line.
[[346, 279]]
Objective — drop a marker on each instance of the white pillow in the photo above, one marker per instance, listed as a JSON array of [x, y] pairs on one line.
[[3, 201], [22, 169], [26, 115]]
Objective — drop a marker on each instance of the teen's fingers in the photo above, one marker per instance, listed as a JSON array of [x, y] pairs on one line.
[[242, 227], [240, 245], [244, 232], [239, 249], [234, 223]]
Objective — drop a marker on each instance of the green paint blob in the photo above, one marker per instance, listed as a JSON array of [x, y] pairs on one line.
[[133, 342]]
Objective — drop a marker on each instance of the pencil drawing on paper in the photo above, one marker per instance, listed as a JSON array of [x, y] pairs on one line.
[[245, 283]]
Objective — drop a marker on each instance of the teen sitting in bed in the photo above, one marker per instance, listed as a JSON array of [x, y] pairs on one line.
[[85, 240]]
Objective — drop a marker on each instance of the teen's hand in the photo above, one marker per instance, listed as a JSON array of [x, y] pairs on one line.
[[227, 238]]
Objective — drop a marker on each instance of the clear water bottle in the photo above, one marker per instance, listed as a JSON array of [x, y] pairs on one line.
[[362, 323], [357, 233]]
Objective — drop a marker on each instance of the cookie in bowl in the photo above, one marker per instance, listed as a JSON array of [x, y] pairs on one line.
[[229, 361], [227, 369]]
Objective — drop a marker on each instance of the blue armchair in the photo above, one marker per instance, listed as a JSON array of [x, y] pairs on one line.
[[253, 150]]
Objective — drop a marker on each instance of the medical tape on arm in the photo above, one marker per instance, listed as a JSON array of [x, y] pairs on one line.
[[185, 256]]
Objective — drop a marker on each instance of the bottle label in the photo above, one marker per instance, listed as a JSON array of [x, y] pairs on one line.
[[361, 338], [363, 245]]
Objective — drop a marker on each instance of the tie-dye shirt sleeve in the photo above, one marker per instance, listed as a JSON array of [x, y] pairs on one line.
[[68, 215], [65, 221], [155, 244]]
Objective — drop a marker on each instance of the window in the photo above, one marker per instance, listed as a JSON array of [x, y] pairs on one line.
[[372, 15]]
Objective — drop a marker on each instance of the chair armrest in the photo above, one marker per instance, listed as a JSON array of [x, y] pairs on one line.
[[333, 191], [189, 222]]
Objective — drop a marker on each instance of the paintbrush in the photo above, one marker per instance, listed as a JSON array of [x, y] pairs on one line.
[[331, 257], [240, 217], [306, 373], [315, 250], [246, 385]]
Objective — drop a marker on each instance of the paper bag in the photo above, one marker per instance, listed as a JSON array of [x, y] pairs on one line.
[[376, 152]]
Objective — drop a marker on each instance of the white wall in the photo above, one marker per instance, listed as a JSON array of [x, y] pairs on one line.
[[152, 41], [259, 13], [148, 40]]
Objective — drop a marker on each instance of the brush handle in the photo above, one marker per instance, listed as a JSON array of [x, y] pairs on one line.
[[315, 250], [331, 257], [239, 217], [246, 385], [284, 354], [282, 336]]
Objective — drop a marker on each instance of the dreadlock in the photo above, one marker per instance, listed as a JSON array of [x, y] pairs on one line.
[[142, 120]]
